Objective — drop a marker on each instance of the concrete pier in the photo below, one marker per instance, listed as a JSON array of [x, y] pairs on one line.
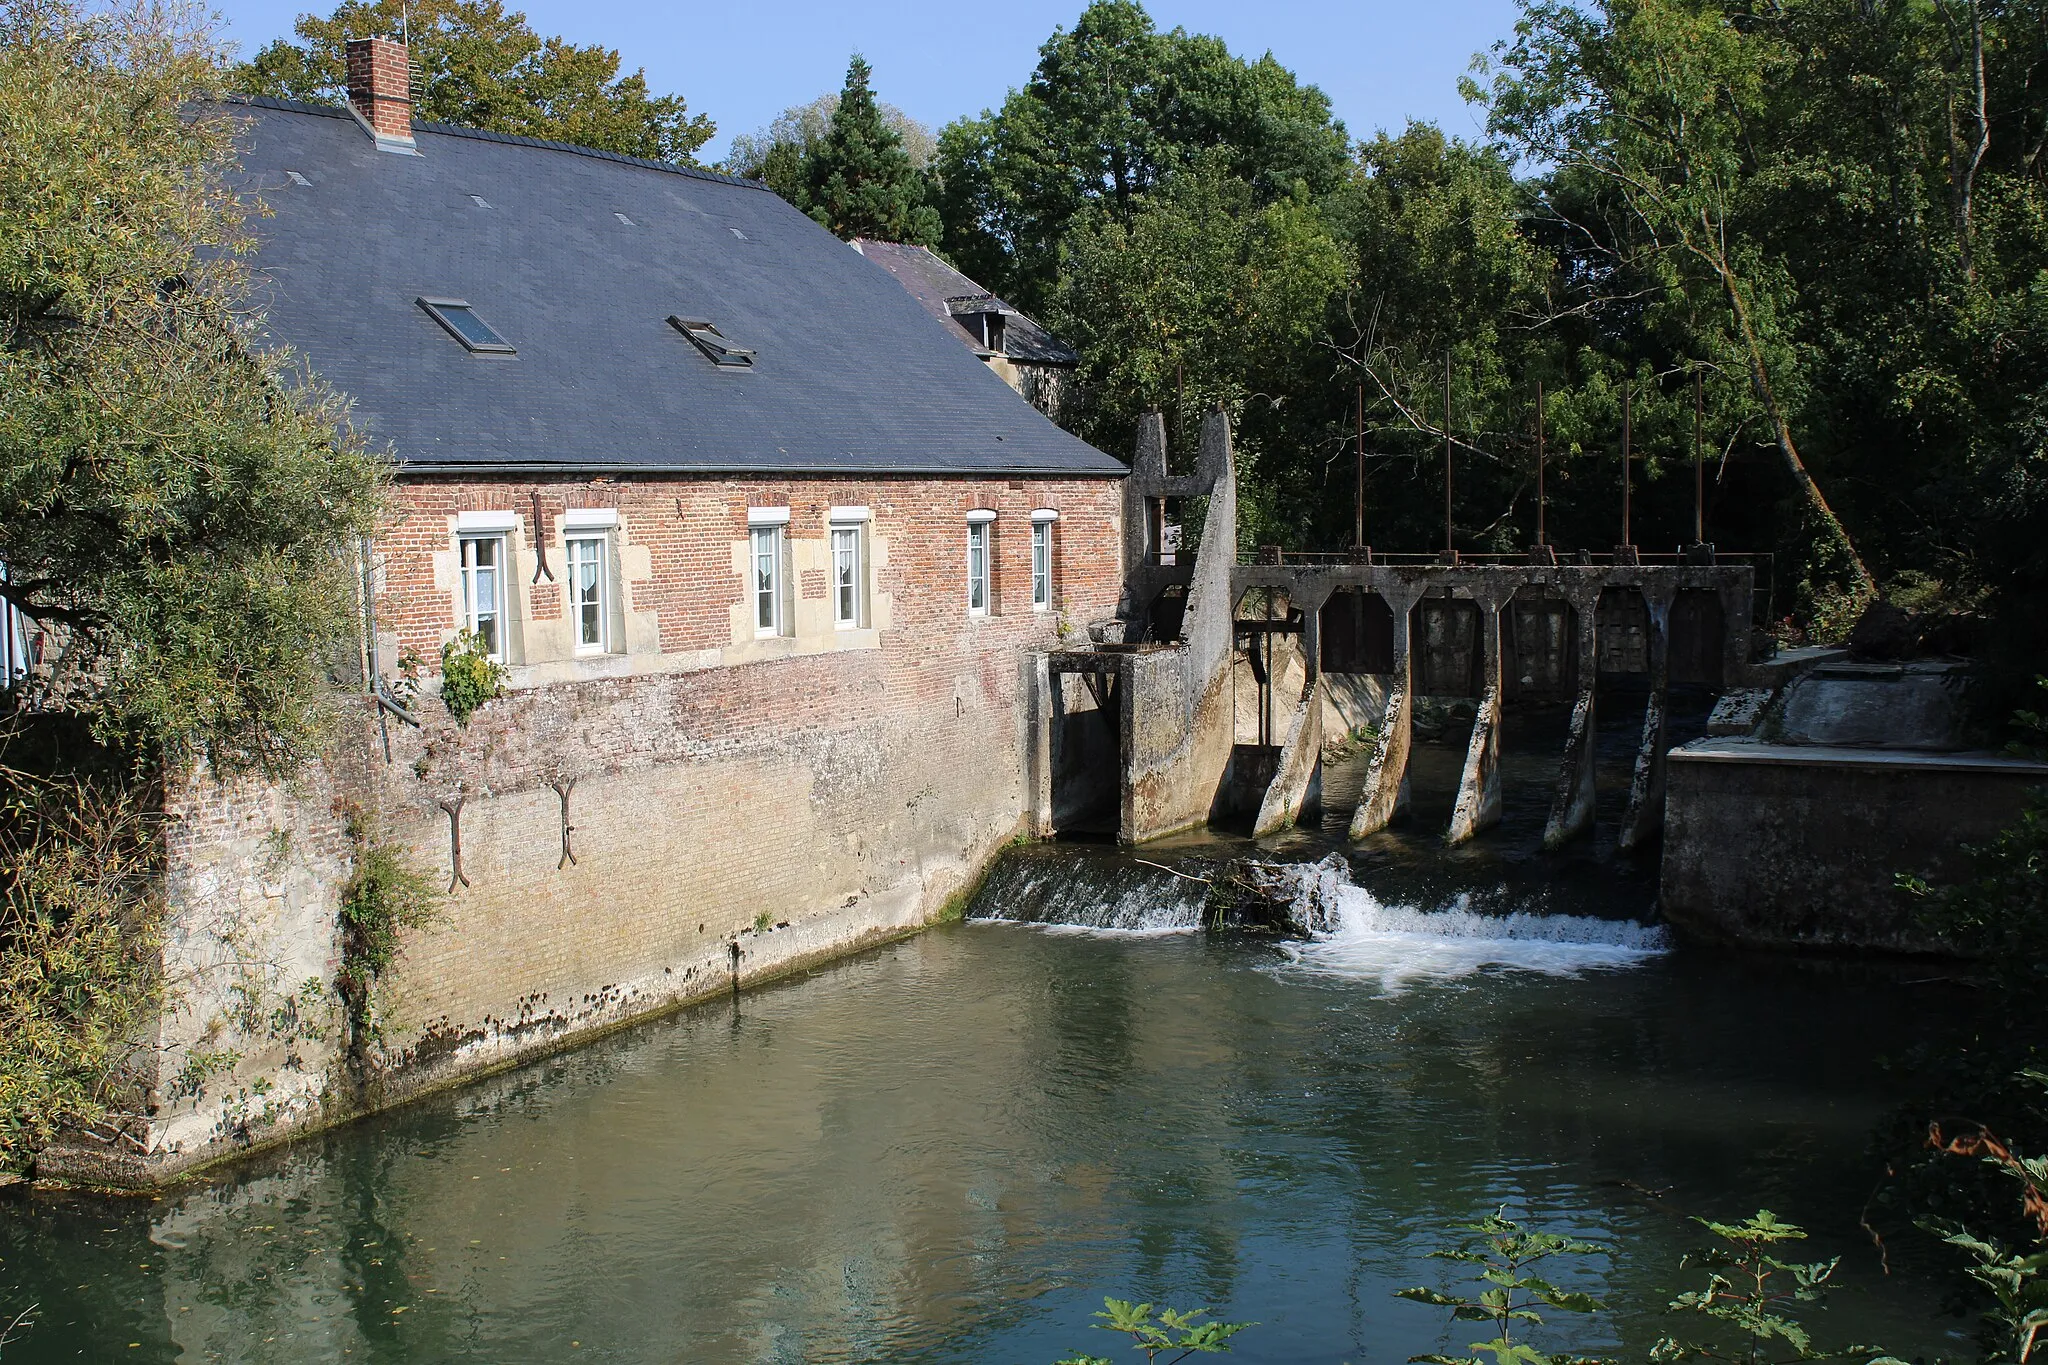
[[1478, 804]]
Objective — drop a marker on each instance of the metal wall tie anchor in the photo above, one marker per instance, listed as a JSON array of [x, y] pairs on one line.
[[454, 809], [562, 789], [540, 543]]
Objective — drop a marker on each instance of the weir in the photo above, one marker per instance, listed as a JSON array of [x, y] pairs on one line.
[[1136, 734]]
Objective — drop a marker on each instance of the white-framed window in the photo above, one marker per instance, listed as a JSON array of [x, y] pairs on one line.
[[483, 591], [1041, 558], [849, 577], [14, 640], [590, 593], [980, 543], [765, 578]]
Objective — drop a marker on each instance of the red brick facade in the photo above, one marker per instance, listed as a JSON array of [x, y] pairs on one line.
[[688, 529]]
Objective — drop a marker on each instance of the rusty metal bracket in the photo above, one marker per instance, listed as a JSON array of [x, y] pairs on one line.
[[540, 543], [454, 809], [562, 789]]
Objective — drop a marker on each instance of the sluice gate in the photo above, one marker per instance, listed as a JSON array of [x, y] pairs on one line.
[[1144, 729], [1492, 632]]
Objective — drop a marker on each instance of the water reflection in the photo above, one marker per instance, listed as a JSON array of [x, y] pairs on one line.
[[948, 1150]]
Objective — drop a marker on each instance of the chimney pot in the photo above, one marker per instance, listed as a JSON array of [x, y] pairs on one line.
[[380, 89]]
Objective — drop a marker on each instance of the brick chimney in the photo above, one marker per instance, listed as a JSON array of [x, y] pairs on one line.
[[380, 91]]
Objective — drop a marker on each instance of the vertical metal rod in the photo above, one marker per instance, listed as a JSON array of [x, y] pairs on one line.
[[1539, 463], [1627, 475], [1358, 524], [1180, 404], [1450, 546], [1699, 468]]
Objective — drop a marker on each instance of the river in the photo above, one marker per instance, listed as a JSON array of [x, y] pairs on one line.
[[951, 1148]]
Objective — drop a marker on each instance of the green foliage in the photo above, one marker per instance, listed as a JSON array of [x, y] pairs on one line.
[[1199, 296], [80, 920], [2013, 1279], [477, 66], [2018, 1290], [176, 507], [1113, 109], [780, 153], [1999, 914], [1504, 1251], [1751, 1291], [1173, 1333], [386, 897], [853, 176], [469, 676]]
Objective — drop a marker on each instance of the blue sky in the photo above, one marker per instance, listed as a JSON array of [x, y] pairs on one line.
[[1381, 61]]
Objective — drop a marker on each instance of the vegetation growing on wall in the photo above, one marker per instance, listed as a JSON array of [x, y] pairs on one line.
[[469, 676], [386, 896], [80, 921]]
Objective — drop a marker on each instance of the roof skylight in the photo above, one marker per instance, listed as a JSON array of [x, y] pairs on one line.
[[465, 326], [296, 178], [712, 343], [479, 201], [624, 219]]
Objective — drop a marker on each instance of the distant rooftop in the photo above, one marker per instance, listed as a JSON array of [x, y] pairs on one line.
[[952, 298]]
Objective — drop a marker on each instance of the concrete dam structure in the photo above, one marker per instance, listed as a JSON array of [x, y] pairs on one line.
[[1135, 736]]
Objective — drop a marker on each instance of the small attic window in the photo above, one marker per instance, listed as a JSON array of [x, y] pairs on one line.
[[712, 343], [465, 326]]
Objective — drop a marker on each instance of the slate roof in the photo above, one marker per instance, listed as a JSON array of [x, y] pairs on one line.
[[851, 375], [937, 285]]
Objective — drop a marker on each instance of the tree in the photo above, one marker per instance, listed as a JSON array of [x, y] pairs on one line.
[[859, 181], [803, 127], [1652, 99], [1112, 109], [477, 66], [179, 500], [1200, 296]]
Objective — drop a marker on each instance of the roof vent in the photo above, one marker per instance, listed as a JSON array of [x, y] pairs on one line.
[[712, 343], [479, 201], [741, 235], [625, 220], [466, 327], [296, 178]]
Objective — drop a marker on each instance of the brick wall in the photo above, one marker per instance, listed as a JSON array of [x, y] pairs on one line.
[[739, 805]]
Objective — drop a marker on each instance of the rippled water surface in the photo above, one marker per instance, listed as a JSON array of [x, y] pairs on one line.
[[949, 1149]]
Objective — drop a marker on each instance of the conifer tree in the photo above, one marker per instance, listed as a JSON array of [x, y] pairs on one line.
[[861, 180]]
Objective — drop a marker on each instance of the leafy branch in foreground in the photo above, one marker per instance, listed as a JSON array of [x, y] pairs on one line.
[[2019, 1320], [1505, 1251], [1751, 1288], [1175, 1333]]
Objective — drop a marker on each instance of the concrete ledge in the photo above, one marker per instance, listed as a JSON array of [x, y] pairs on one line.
[[1834, 756], [1790, 846]]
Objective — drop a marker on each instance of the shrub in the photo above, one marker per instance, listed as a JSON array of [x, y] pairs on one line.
[[469, 676]]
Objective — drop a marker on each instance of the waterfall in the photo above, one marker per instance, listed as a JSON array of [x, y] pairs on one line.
[[1355, 935], [1080, 890]]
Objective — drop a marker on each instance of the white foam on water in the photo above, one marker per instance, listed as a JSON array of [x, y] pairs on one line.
[[1399, 946], [1094, 930]]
